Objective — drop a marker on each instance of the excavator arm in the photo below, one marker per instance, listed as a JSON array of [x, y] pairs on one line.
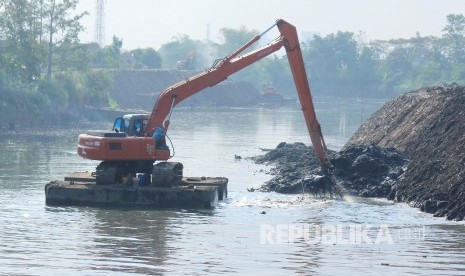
[[126, 150], [233, 63]]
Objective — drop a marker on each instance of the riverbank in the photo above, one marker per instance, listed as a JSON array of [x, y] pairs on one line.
[[128, 90], [428, 127]]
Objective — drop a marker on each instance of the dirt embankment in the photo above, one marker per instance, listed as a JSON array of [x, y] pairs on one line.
[[412, 150], [428, 127]]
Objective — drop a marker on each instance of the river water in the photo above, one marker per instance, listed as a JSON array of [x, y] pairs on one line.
[[249, 233]]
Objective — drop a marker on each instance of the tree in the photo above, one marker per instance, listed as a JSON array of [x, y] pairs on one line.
[[367, 80], [61, 27], [276, 71], [98, 84], [178, 50], [73, 57], [146, 58], [21, 53], [342, 65], [454, 38], [412, 63], [233, 39], [111, 55]]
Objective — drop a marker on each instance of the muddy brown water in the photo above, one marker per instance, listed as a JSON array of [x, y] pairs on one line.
[[249, 233]]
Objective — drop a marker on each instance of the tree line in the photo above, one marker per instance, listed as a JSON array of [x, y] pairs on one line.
[[344, 64], [45, 70]]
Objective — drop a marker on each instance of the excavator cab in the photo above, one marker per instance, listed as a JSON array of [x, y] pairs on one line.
[[131, 124]]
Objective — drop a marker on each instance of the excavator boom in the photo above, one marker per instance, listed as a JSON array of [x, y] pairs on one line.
[[130, 148], [233, 63]]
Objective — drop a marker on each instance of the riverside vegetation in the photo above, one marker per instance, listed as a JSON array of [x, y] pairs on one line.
[[47, 72]]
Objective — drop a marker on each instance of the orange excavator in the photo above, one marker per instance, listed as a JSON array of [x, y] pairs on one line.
[[137, 140]]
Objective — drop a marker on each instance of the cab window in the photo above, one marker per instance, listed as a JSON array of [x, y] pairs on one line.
[[118, 125]]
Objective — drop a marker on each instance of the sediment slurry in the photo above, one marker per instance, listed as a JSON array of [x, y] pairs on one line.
[[412, 150]]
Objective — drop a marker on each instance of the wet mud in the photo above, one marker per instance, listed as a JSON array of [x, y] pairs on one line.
[[361, 170]]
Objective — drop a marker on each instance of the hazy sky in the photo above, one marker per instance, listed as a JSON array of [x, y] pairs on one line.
[[151, 23]]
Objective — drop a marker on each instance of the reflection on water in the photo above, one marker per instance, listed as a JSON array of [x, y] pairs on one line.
[[39, 240]]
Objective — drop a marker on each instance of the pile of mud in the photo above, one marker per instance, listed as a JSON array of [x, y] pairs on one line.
[[428, 127], [411, 150], [362, 170], [368, 170], [293, 163]]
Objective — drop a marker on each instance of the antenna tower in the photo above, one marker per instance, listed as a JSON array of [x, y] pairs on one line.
[[100, 23]]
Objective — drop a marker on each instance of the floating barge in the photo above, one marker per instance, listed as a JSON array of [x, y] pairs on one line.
[[81, 189]]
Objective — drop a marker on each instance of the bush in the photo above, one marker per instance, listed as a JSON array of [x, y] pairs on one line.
[[97, 85], [19, 103]]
